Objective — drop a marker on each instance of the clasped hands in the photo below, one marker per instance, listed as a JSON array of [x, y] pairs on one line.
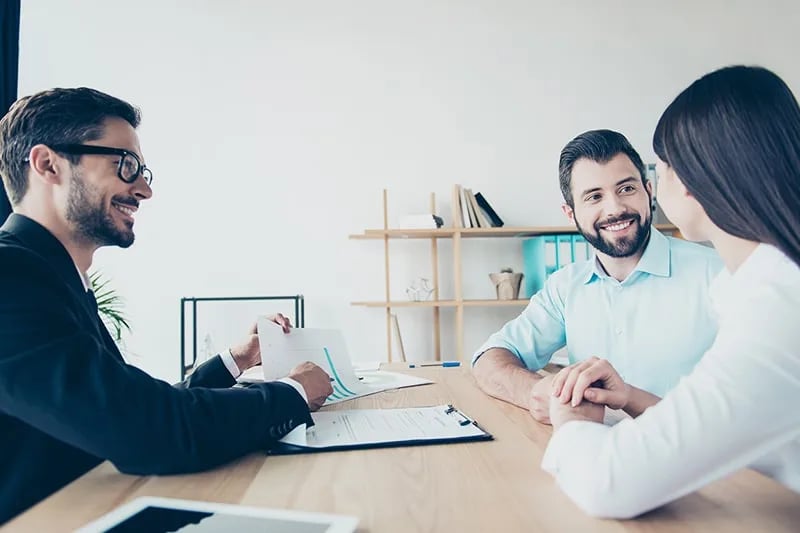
[[315, 382], [578, 392]]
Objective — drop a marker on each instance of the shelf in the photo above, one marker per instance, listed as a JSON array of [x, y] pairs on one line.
[[448, 233], [445, 303]]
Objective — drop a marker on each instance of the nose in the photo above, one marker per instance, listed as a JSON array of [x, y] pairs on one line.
[[613, 206], [141, 189]]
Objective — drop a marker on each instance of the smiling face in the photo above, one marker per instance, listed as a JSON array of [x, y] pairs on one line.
[[612, 207], [100, 206]]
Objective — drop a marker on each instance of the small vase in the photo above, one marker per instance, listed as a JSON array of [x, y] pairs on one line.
[[507, 284]]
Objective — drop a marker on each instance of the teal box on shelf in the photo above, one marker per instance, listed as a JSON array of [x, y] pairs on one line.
[[543, 255]]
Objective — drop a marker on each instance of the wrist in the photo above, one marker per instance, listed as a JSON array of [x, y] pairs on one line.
[[626, 397], [242, 360], [524, 385]]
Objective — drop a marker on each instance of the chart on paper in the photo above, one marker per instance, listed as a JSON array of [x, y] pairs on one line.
[[326, 348]]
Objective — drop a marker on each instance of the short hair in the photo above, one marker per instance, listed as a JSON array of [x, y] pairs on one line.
[[733, 139], [600, 146], [55, 116]]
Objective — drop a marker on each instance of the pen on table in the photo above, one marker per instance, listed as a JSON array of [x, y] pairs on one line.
[[444, 364]]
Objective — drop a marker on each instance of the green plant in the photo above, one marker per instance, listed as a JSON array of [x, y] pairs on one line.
[[109, 306]]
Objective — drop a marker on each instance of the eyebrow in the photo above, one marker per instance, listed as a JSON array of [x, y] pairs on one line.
[[620, 182]]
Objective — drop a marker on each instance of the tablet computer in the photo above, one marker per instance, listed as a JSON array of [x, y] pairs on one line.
[[153, 514]]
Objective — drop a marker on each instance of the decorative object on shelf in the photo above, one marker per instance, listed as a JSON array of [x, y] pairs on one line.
[[507, 283], [420, 290]]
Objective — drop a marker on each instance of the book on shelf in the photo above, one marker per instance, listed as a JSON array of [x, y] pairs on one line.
[[472, 210], [459, 202], [473, 216], [465, 220], [495, 220], [483, 220]]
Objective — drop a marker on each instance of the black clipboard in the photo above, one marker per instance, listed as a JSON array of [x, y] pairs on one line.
[[469, 431]]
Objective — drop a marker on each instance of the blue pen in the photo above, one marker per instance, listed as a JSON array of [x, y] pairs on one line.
[[445, 364]]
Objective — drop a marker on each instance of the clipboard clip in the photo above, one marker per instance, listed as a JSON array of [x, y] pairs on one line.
[[464, 420]]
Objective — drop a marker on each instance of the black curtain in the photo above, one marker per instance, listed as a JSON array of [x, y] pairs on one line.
[[9, 63]]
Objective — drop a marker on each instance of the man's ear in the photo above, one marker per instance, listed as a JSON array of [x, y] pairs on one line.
[[649, 187], [568, 212], [47, 165]]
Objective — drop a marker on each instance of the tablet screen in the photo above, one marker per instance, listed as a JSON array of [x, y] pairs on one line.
[[163, 519], [164, 514]]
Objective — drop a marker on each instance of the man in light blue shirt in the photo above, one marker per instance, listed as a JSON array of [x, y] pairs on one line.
[[641, 303]]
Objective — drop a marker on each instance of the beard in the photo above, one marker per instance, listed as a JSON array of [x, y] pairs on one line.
[[93, 222], [623, 246]]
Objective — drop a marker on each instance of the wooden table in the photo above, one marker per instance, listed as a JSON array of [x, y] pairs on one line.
[[479, 486]]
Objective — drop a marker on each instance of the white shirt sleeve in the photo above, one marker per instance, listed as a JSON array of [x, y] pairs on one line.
[[230, 363], [297, 387], [233, 368], [735, 408]]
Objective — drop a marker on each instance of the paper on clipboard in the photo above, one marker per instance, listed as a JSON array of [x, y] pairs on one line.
[[365, 428], [326, 348]]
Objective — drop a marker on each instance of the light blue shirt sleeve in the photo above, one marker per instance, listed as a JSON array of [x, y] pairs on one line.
[[538, 331]]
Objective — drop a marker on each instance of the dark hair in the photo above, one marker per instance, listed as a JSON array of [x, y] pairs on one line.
[[600, 146], [56, 116], [733, 138]]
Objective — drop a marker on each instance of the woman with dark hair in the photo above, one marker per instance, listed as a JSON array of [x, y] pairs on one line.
[[729, 173]]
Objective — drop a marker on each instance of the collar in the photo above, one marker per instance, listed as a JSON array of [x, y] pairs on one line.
[[38, 239], [655, 260]]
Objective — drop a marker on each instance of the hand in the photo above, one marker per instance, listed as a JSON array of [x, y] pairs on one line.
[[594, 380], [248, 353], [282, 321], [539, 402], [561, 413], [314, 381]]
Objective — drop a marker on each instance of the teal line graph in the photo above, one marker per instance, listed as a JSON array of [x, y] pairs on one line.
[[340, 390]]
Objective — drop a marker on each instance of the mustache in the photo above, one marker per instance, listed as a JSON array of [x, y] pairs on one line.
[[133, 202], [616, 220]]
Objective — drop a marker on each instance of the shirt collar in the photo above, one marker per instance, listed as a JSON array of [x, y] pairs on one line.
[[84, 278], [655, 260]]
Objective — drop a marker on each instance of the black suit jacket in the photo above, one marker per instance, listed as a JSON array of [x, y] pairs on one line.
[[68, 400]]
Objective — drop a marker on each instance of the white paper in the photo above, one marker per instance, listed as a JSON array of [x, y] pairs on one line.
[[326, 348], [374, 426]]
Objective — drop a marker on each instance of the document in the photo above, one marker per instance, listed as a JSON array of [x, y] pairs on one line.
[[326, 348], [372, 428]]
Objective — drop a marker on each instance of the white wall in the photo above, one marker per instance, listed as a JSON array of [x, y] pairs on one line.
[[273, 126]]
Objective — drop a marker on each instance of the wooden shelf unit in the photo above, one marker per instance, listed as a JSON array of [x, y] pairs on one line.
[[456, 234]]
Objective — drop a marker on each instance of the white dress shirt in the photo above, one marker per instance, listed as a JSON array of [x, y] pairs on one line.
[[738, 407]]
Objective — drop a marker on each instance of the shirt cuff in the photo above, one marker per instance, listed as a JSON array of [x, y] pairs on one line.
[[230, 363], [297, 387]]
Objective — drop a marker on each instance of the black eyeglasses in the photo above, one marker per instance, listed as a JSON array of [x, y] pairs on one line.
[[129, 168]]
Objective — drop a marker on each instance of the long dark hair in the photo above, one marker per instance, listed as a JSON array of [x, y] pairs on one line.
[[733, 138]]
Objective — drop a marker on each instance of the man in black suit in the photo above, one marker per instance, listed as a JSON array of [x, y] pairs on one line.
[[71, 163]]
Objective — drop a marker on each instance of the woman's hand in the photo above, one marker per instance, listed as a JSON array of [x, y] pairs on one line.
[[594, 380]]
